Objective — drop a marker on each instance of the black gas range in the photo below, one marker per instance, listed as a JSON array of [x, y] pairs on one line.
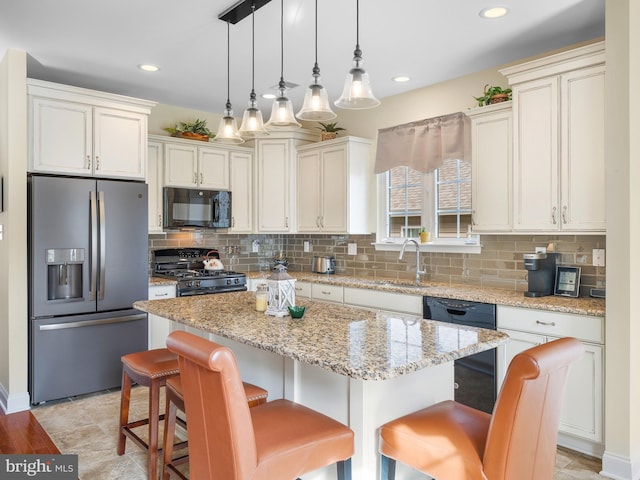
[[187, 267]]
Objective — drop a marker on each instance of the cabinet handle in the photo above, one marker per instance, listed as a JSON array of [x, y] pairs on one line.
[[159, 220], [97, 162], [201, 178], [548, 324], [318, 222], [233, 221], [473, 218], [161, 294], [553, 215], [286, 222], [564, 214], [195, 178], [88, 162], [322, 222], [324, 292]]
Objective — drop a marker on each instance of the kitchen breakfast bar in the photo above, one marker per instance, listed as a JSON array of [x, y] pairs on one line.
[[362, 367]]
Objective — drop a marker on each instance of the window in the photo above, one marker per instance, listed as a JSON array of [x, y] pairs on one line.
[[440, 201]]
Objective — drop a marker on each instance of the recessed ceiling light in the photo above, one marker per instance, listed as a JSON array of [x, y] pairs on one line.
[[401, 79], [494, 12], [147, 67], [268, 96]]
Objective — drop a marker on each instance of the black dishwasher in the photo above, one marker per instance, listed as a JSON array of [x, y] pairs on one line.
[[475, 375]]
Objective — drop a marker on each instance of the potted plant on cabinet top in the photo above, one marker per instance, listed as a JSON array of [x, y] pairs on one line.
[[196, 130], [493, 95], [329, 131]]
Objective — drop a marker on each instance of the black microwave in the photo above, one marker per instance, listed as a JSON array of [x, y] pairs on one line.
[[196, 208]]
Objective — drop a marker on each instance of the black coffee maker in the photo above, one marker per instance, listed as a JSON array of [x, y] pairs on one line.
[[542, 273]]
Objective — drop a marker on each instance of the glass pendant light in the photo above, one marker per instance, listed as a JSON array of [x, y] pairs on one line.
[[357, 94], [282, 110], [316, 105], [228, 130], [252, 123]]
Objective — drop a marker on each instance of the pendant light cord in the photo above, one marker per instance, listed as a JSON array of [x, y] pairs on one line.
[[253, 47], [228, 65], [316, 32], [358, 24], [281, 41]]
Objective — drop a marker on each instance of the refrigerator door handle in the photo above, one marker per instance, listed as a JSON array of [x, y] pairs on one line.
[[93, 266], [103, 243], [91, 323]]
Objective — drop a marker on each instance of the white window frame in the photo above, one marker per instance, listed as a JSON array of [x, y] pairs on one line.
[[445, 245]]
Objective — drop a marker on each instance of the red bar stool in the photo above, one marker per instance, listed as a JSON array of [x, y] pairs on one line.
[[150, 368], [175, 401]]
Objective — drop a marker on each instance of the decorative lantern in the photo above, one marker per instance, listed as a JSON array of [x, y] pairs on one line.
[[282, 292]]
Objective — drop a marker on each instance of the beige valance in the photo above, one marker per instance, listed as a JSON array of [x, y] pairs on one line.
[[425, 144]]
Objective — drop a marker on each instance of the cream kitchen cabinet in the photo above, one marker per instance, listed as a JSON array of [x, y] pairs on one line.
[[333, 179], [155, 172], [492, 168], [241, 186], [582, 415], [77, 131], [389, 301], [193, 166], [159, 328], [327, 293], [558, 105], [276, 179]]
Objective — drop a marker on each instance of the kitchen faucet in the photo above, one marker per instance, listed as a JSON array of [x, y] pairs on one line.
[[418, 271]]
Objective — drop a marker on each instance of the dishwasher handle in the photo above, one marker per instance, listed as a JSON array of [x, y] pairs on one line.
[[453, 311]]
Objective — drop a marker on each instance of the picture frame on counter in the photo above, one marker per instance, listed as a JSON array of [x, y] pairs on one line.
[[567, 281]]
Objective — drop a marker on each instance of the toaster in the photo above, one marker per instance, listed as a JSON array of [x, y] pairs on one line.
[[323, 264]]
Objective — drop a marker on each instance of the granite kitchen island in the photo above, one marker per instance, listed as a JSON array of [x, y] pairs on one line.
[[362, 367]]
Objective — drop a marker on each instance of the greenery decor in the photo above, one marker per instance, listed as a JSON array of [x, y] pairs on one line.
[[493, 95], [197, 129], [329, 130]]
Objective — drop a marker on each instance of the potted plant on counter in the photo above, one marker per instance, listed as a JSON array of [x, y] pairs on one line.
[[196, 130], [329, 131], [493, 95]]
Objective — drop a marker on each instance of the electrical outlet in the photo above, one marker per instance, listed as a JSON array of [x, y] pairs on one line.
[[307, 247], [352, 248], [1, 234], [541, 249], [255, 246], [598, 257]]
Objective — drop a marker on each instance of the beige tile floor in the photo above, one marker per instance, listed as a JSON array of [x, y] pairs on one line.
[[88, 426]]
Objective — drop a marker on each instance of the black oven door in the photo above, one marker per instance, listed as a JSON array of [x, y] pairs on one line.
[[196, 208]]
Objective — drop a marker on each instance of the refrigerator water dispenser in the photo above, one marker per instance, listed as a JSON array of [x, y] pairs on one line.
[[64, 268]]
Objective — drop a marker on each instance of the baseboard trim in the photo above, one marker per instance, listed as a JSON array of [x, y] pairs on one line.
[[618, 467], [581, 445], [15, 402]]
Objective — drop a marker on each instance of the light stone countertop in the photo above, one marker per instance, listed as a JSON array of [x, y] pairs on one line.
[[580, 306], [359, 343], [473, 293]]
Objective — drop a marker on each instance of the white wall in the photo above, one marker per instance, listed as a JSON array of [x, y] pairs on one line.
[[622, 432], [13, 246]]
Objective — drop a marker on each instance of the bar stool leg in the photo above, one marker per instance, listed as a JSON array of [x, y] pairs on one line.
[[125, 399], [154, 418]]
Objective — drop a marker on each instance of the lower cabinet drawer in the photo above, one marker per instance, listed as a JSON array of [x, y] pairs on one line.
[[329, 293], [393, 302], [556, 324], [162, 291], [303, 290]]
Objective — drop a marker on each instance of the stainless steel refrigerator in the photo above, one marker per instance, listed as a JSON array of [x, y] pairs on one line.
[[88, 263]]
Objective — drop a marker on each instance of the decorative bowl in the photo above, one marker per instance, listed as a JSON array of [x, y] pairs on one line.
[[296, 311]]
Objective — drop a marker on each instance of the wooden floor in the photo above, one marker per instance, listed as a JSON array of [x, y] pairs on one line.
[[21, 433]]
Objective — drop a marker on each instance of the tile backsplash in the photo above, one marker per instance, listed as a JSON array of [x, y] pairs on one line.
[[499, 265]]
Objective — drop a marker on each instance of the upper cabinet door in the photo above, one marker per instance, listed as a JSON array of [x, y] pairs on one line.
[[335, 190], [120, 143], [492, 168], [536, 108], [273, 185], [61, 137], [309, 197], [241, 186], [181, 165], [582, 185], [213, 168]]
